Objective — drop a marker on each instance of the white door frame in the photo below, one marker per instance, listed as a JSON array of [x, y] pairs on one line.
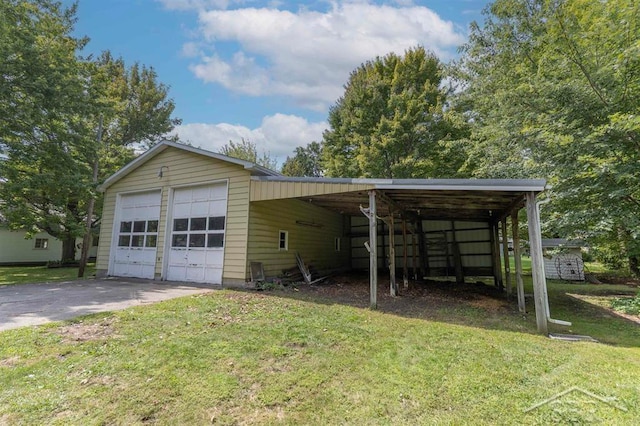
[[169, 222], [116, 222]]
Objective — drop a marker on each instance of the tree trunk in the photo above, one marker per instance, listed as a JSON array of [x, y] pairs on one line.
[[68, 250], [634, 266]]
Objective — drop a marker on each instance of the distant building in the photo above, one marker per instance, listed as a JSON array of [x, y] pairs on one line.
[[15, 249], [563, 259]]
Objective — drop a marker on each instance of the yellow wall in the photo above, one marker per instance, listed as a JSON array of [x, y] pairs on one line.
[[185, 168], [314, 243], [274, 190]]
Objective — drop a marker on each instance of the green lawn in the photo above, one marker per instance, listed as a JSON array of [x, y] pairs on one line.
[[40, 274], [286, 357]]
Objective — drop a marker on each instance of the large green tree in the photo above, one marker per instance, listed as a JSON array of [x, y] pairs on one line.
[[307, 161], [51, 101], [42, 98], [553, 90], [393, 121], [248, 151]]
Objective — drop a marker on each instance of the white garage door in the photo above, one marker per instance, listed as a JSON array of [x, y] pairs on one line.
[[136, 235], [197, 234]]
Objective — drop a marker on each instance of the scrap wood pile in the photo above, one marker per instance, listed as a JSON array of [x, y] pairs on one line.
[[302, 272]]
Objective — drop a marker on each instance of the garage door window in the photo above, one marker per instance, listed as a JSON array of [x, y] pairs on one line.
[[138, 233], [198, 232]]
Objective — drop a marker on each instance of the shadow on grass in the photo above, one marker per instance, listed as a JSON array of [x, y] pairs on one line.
[[473, 304]]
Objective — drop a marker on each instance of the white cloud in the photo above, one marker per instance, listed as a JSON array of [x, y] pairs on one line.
[[277, 135], [191, 50], [307, 55]]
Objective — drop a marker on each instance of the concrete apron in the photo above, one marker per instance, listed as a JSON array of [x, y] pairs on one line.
[[33, 304]]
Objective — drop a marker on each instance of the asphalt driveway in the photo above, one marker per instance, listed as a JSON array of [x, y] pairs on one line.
[[32, 304]]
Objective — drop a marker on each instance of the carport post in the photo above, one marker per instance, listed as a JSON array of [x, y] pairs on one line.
[[373, 251], [537, 267], [405, 269], [392, 257], [495, 254], [517, 256], [505, 255]]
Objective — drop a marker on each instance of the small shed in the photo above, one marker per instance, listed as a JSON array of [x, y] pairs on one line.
[[563, 259]]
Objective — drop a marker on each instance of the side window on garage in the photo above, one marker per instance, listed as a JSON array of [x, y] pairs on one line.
[[283, 240]]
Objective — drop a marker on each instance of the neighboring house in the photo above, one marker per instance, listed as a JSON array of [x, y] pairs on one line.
[[15, 249], [180, 213], [563, 259]]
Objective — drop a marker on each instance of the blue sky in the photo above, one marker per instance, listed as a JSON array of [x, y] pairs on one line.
[[269, 70]]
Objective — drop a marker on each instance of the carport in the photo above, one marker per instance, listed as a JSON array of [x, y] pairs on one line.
[[404, 204]]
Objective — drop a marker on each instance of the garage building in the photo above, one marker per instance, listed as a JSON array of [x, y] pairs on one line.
[[179, 213]]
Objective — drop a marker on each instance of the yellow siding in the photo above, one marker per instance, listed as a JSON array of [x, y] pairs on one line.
[[265, 190], [315, 244], [185, 168]]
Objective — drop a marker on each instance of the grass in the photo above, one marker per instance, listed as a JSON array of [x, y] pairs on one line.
[[10, 275], [233, 357]]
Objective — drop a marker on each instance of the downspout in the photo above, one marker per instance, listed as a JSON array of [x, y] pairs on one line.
[[546, 295]]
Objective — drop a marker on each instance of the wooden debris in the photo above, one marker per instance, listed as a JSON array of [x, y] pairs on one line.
[[257, 272], [306, 271]]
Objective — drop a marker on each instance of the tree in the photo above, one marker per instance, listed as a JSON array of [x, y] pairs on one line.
[[393, 121], [556, 85], [305, 162], [41, 98], [135, 104], [50, 103], [247, 150]]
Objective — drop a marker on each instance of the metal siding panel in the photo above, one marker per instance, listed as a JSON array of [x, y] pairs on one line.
[[315, 244]]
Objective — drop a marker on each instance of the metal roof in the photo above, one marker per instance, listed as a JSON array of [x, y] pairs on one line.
[[562, 242], [446, 199], [496, 184]]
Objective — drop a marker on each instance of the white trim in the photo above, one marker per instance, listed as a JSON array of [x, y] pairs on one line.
[[286, 240], [470, 187], [116, 225]]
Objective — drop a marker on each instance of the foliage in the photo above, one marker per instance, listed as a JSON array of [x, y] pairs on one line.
[[50, 103], [627, 305], [137, 109], [393, 121], [552, 89], [247, 150], [42, 99], [307, 161]]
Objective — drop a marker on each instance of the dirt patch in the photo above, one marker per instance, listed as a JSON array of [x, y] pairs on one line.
[[82, 332], [9, 362], [612, 279], [419, 299]]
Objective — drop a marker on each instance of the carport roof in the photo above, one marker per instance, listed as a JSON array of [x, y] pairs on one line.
[[461, 199]]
